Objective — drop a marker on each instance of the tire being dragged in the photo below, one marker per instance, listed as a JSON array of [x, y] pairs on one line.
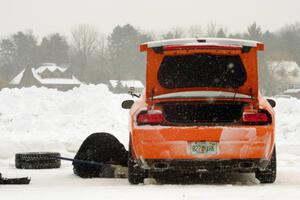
[[37, 160]]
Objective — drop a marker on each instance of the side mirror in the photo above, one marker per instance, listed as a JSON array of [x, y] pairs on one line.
[[127, 104], [272, 102]]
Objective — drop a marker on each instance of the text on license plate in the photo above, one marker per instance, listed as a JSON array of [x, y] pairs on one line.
[[206, 148]]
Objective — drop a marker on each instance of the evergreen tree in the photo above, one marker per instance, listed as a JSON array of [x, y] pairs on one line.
[[254, 32], [7, 51], [54, 48], [123, 50], [18, 51], [221, 33]]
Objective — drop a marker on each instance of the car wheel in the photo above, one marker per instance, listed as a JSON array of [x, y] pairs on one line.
[[136, 174], [37, 160], [268, 175]]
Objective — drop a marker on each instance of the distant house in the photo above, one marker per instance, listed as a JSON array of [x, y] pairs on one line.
[[286, 71], [292, 93], [122, 86], [47, 75]]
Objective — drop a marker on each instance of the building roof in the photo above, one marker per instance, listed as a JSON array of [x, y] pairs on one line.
[[46, 81], [50, 68], [290, 91], [66, 81], [17, 79], [127, 83]]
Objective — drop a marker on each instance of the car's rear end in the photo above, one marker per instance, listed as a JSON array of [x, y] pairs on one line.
[[202, 110]]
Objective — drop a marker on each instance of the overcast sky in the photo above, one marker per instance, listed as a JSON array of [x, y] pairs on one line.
[[46, 16]]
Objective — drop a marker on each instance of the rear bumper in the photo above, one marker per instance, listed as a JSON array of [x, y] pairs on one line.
[[173, 143], [213, 165]]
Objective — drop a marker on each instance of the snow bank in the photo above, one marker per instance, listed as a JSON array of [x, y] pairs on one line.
[[38, 119], [288, 120], [41, 119]]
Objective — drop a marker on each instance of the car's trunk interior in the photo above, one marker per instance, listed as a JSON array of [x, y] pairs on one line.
[[195, 113]]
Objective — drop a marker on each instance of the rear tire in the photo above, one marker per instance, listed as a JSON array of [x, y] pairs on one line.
[[136, 174], [37, 160], [268, 175]]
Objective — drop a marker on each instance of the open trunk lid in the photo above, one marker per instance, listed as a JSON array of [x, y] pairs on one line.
[[202, 68]]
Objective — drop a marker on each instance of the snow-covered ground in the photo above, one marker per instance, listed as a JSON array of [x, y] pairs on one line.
[[40, 119]]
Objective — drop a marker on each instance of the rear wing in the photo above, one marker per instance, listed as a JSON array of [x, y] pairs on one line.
[[201, 42]]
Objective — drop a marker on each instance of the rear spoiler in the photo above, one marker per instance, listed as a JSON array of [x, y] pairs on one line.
[[202, 42]]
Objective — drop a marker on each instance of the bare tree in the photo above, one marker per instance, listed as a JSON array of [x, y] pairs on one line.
[[211, 29], [85, 40], [175, 32], [289, 37], [195, 31]]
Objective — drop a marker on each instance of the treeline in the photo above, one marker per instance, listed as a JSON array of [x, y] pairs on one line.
[[96, 58], [93, 57]]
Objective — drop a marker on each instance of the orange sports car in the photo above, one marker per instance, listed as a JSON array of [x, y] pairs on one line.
[[201, 111]]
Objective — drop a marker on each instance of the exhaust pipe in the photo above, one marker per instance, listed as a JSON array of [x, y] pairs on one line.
[[247, 166], [161, 165]]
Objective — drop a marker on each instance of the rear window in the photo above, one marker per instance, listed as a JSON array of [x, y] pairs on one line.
[[202, 70]]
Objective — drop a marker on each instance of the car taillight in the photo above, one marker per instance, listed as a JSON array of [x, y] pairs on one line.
[[153, 117], [256, 117]]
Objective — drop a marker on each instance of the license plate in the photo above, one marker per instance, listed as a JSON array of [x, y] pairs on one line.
[[206, 148]]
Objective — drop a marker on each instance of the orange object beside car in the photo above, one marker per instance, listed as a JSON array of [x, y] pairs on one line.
[[201, 111]]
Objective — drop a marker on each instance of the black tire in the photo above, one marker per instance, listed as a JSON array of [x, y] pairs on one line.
[[37, 160], [136, 174], [102, 148], [268, 175]]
